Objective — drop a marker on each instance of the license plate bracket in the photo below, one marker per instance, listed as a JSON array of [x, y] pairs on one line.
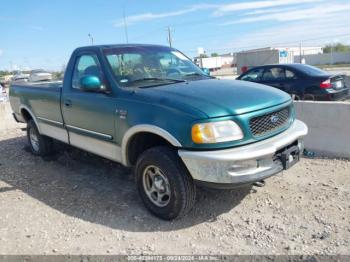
[[289, 156], [338, 85]]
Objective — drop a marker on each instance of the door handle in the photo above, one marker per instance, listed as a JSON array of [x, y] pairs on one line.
[[67, 102]]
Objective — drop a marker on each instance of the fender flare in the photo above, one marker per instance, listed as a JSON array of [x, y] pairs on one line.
[[148, 129], [31, 114]]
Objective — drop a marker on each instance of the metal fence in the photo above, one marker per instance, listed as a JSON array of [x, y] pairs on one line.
[[325, 59]]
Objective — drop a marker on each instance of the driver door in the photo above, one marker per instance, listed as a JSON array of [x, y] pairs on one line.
[[90, 116]]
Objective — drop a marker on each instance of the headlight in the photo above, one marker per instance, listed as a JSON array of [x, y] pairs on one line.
[[215, 132]]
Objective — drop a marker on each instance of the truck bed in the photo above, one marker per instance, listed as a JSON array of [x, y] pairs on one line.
[[43, 84], [43, 99]]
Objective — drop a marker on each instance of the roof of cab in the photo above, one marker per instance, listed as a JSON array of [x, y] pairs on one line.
[[99, 47]]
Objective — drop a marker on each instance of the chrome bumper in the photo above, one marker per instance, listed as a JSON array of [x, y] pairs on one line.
[[244, 164]]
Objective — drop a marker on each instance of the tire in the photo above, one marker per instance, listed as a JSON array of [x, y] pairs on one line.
[[176, 182], [39, 145], [296, 97], [309, 97]]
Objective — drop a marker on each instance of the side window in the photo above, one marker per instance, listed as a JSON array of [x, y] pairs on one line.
[[274, 73], [254, 75], [85, 65], [290, 75]]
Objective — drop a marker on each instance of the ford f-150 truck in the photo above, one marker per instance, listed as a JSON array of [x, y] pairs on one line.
[[149, 107]]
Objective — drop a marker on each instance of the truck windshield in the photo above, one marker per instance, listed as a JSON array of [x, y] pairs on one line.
[[145, 66]]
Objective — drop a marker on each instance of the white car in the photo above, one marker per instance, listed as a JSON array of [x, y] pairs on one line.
[[19, 76], [3, 95], [40, 75]]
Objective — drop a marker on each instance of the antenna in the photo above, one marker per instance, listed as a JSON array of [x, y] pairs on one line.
[[91, 38], [170, 40], [125, 26]]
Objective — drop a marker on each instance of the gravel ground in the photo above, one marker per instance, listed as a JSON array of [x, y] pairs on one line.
[[77, 203]]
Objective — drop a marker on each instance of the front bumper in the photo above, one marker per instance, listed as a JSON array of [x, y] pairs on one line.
[[244, 164]]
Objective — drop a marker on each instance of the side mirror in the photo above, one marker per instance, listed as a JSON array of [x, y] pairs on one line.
[[90, 83], [206, 71]]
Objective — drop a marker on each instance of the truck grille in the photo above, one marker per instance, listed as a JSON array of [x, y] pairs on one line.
[[264, 124]]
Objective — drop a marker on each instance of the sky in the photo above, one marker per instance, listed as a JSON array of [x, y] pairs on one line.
[[42, 34]]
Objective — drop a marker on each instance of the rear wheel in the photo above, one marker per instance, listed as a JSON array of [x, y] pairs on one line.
[[39, 145], [309, 97], [164, 184]]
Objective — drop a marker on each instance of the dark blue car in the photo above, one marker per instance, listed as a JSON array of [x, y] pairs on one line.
[[302, 81]]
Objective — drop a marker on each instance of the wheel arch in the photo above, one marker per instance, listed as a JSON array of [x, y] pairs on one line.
[[25, 112], [145, 129]]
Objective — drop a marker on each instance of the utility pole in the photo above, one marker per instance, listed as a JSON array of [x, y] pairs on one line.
[[332, 54], [91, 39], [125, 26], [170, 40]]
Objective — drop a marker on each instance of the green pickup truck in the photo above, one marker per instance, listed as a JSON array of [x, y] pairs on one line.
[[149, 107]]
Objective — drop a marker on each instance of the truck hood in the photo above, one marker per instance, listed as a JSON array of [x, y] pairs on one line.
[[217, 98]]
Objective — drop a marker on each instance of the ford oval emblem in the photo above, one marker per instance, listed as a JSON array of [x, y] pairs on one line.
[[274, 119]]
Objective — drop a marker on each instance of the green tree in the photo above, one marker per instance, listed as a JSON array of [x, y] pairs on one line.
[[214, 54], [3, 73], [203, 56], [57, 75], [338, 47]]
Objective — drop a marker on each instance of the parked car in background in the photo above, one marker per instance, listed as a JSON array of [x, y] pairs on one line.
[[40, 75], [6, 79], [3, 94], [303, 81], [20, 77]]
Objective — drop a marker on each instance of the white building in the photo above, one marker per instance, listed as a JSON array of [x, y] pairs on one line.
[[216, 62], [296, 50], [272, 55], [304, 50]]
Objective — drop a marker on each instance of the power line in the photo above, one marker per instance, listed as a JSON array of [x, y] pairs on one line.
[[273, 44], [231, 47], [148, 33], [187, 24], [291, 42]]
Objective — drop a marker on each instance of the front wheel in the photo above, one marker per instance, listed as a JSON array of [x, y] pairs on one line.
[[164, 184]]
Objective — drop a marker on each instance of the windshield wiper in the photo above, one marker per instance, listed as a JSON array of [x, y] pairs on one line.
[[158, 79], [198, 74]]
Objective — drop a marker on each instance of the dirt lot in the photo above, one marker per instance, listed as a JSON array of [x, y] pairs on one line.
[[79, 203]]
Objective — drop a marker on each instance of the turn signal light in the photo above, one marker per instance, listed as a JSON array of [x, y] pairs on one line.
[[216, 132]]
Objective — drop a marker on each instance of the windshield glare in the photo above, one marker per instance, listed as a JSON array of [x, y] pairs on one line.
[[143, 66]]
